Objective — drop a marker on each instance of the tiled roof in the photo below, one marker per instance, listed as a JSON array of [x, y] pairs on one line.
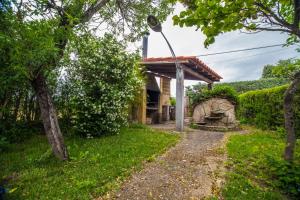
[[193, 59]]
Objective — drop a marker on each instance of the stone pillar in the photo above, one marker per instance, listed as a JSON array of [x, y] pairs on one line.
[[165, 85]]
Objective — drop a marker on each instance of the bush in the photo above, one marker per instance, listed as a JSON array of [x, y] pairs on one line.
[[173, 101], [104, 78], [16, 132], [264, 108], [3, 143], [198, 96]]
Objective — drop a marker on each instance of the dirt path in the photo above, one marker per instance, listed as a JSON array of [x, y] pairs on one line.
[[187, 171]]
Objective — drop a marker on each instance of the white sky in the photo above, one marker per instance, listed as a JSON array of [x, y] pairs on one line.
[[232, 67]]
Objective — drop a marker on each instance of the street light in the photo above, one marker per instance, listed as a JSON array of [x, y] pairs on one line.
[[155, 25]]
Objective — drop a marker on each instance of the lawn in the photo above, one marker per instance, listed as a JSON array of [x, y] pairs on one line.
[[96, 166], [257, 170]]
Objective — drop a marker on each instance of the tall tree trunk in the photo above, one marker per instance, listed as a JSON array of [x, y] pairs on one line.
[[290, 118], [49, 117], [3, 105], [17, 105], [30, 109]]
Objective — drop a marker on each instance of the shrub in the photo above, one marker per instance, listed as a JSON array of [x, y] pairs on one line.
[[3, 143], [173, 101], [198, 96], [16, 132], [104, 78], [264, 108]]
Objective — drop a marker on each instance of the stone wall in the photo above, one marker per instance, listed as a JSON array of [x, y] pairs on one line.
[[215, 105]]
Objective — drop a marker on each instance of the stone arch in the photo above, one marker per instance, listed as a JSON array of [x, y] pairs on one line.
[[204, 112]]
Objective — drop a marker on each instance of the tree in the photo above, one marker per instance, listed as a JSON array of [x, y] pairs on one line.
[[104, 80], [42, 30], [267, 72], [286, 68], [283, 69], [214, 17]]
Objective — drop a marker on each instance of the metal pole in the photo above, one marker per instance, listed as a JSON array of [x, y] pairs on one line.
[[145, 45], [179, 90]]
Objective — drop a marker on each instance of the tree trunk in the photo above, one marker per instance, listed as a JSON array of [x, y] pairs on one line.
[[290, 118], [49, 117], [30, 109], [17, 105], [3, 105]]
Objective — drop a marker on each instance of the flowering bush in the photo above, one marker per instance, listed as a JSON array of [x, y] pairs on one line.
[[105, 78]]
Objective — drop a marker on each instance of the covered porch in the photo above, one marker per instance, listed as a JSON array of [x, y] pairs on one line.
[[156, 98]]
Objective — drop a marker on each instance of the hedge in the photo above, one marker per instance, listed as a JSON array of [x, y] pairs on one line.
[[245, 86], [264, 108]]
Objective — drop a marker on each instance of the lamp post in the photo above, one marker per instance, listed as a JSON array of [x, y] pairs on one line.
[[155, 25]]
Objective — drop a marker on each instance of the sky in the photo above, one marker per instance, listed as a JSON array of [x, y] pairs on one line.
[[240, 66]]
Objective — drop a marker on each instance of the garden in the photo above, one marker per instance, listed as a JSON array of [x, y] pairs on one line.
[[256, 168], [69, 79]]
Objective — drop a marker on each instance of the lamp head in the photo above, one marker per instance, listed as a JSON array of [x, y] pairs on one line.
[[153, 23]]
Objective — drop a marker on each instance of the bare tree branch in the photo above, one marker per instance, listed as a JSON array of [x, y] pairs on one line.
[[269, 29], [93, 9], [267, 10]]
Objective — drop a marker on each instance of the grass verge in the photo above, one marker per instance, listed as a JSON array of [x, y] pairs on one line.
[[97, 165], [257, 169]]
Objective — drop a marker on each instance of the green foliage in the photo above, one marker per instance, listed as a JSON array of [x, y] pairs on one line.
[[19, 131], [97, 165], [36, 35], [197, 95], [257, 169], [104, 79], [264, 108], [173, 101], [267, 72], [245, 86], [3, 143], [215, 17], [283, 69], [286, 68]]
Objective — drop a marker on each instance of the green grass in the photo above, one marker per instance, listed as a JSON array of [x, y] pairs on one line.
[[257, 170], [96, 166]]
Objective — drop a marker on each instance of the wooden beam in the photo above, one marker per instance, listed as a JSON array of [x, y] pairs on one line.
[[159, 75], [199, 76]]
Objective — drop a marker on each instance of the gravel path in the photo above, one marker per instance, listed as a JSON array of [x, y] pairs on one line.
[[187, 171]]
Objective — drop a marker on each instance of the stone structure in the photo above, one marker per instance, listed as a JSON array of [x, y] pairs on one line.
[[155, 107], [215, 114]]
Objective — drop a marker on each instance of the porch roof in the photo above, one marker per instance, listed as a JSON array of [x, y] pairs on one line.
[[194, 69]]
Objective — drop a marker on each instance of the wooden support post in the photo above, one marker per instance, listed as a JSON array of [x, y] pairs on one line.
[[179, 99], [142, 106]]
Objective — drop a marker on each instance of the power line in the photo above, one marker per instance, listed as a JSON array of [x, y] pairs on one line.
[[240, 50], [253, 55]]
